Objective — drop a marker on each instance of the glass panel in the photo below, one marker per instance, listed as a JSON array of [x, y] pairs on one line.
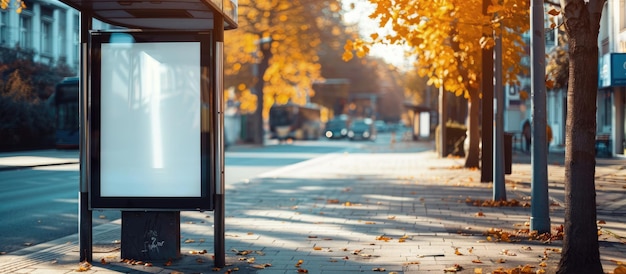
[[150, 119]]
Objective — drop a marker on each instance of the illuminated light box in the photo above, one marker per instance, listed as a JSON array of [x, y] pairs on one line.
[[150, 116]]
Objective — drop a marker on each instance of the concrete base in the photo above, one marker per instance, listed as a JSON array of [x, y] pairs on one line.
[[152, 236]]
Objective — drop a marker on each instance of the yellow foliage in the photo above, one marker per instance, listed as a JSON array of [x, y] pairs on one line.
[[19, 5], [293, 27], [449, 36]]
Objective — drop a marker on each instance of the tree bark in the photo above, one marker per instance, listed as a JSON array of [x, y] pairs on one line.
[[580, 244], [473, 154]]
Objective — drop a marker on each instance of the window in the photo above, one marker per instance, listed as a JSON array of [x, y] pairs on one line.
[[4, 27], [46, 37], [25, 31], [61, 37]]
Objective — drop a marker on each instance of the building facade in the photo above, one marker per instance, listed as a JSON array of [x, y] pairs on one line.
[[48, 27], [611, 102]]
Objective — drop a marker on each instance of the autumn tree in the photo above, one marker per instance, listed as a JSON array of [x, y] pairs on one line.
[[285, 35], [447, 37], [580, 243]]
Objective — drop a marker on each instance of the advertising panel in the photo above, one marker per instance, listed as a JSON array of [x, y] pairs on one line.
[[150, 144]]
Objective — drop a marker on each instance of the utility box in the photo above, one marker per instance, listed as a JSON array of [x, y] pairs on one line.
[[151, 235]]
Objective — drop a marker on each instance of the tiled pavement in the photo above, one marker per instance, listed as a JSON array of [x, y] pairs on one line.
[[369, 212]]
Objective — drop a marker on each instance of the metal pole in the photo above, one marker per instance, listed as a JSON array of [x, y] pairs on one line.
[[499, 192], [219, 226], [85, 215], [540, 215]]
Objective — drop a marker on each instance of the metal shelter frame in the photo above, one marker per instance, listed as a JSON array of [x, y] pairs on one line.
[[173, 15]]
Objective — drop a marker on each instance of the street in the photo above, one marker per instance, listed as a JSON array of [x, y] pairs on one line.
[[345, 207], [40, 204]]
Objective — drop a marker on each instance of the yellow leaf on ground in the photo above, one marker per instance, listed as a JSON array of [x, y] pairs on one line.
[[621, 269], [457, 252]]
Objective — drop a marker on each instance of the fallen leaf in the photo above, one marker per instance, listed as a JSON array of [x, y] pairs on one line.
[[83, 267], [477, 261], [620, 269], [453, 268], [457, 252], [383, 238]]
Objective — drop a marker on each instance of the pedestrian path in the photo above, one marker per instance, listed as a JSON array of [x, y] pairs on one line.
[[361, 212]]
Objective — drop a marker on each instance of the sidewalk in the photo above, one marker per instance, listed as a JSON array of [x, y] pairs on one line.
[[362, 212]]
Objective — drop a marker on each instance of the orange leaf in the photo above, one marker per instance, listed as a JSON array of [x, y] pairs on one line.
[[554, 12]]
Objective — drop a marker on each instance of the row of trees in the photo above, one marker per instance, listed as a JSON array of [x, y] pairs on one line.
[[448, 37], [283, 48]]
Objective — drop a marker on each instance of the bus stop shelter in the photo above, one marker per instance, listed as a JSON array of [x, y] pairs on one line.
[[152, 33]]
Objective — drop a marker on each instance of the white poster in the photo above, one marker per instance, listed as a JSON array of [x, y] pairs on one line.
[[150, 120]]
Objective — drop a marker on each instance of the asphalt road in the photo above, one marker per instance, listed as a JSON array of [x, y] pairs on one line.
[[41, 204]]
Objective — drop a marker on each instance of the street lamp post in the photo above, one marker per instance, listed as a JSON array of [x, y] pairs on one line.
[[540, 219]]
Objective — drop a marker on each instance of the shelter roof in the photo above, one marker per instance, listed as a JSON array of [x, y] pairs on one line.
[[194, 15]]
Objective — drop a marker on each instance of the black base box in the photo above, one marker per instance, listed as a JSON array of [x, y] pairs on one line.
[[150, 235]]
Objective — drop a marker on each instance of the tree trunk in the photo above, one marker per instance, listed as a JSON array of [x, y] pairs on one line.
[[473, 155], [580, 244]]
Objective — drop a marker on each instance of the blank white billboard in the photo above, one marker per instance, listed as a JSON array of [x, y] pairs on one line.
[[150, 139]]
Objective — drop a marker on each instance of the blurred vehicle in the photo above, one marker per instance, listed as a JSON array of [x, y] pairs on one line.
[[361, 129], [66, 113], [337, 128], [380, 126], [295, 122]]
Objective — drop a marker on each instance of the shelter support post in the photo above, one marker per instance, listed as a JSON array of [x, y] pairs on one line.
[[85, 214], [219, 231]]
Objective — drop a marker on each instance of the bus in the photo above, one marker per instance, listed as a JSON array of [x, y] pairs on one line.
[[66, 113], [294, 122]]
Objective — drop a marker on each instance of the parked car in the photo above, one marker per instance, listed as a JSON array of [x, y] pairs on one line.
[[361, 129], [336, 128]]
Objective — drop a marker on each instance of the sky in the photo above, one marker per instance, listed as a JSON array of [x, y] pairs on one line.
[[360, 14]]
